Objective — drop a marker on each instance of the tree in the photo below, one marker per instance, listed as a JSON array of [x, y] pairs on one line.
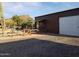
[[27, 23], [17, 20], [23, 21], [10, 23]]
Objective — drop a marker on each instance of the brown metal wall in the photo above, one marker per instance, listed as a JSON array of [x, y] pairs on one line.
[[53, 20]]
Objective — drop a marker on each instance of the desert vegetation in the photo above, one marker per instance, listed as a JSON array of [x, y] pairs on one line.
[[18, 23]]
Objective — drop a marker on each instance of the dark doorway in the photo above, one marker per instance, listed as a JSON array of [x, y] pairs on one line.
[[43, 25]]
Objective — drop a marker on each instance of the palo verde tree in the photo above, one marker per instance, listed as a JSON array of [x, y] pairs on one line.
[[17, 20], [10, 23], [24, 22], [27, 23]]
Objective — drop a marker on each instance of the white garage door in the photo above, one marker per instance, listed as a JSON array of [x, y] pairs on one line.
[[69, 25]]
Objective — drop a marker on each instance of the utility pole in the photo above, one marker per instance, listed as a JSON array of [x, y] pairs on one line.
[[2, 19]]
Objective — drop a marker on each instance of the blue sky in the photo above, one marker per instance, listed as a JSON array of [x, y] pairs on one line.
[[36, 8]]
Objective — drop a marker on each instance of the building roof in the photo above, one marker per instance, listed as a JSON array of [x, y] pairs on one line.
[[58, 12]]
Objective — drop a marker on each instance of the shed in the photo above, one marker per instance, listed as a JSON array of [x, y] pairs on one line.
[[64, 22]]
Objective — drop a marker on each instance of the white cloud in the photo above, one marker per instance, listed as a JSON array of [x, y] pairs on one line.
[[21, 7], [12, 8]]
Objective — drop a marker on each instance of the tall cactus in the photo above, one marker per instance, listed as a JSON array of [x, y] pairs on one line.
[[1, 12], [2, 18]]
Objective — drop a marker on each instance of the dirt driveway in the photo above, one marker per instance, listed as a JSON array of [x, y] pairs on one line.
[[59, 39], [39, 45]]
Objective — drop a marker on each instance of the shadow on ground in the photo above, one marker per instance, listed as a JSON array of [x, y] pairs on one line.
[[37, 48], [61, 35]]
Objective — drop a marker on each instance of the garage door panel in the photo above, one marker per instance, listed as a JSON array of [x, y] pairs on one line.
[[69, 25]]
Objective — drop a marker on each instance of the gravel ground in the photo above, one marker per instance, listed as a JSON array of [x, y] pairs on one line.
[[38, 45]]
